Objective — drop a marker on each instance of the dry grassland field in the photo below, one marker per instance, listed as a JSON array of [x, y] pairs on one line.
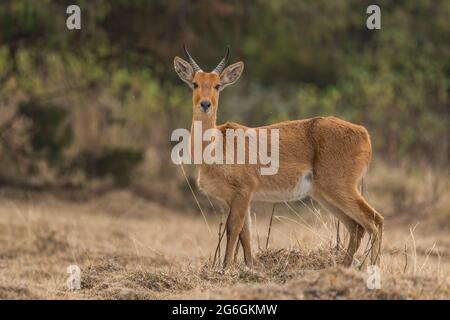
[[130, 248]]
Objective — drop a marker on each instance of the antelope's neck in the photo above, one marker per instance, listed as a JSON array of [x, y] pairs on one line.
[[198, 127], [206, 122]]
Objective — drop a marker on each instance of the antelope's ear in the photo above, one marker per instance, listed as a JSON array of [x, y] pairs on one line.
[[184, 70], [231, 74]]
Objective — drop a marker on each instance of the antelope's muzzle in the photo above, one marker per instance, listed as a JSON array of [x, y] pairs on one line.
[[205, 105]]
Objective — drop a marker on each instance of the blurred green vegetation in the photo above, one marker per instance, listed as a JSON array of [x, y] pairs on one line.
[[102, 101]]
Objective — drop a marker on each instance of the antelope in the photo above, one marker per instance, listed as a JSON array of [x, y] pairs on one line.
[[322, 157]]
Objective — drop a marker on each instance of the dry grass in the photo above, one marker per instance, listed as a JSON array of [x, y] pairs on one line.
[[128, 248]]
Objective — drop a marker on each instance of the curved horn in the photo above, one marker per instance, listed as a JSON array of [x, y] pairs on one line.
[[191, 60], [222, 63]]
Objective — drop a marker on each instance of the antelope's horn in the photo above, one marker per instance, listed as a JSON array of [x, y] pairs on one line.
[[222, 63], [191, 60]]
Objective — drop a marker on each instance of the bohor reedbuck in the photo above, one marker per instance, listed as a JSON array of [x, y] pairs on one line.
[[322, 157]]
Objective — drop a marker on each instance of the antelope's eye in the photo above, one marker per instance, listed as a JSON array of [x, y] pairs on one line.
[[195, 84], [217, 87]]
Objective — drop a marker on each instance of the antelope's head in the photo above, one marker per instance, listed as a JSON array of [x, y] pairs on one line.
[[206, 86]]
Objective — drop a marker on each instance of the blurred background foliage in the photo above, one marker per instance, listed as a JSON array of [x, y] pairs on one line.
[[98, 105]]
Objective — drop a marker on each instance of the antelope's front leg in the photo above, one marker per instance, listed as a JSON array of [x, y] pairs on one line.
[[235, 224]]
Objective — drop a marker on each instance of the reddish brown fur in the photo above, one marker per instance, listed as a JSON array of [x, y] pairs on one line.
[[337, 153]]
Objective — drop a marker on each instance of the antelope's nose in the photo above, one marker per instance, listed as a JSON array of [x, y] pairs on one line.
[[205, 104]]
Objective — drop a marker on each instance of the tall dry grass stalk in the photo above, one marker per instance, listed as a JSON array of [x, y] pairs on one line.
[[270, 228]]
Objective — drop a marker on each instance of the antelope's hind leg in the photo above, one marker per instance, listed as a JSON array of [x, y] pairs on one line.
[[356, 207], [355, 230], [372, 221]]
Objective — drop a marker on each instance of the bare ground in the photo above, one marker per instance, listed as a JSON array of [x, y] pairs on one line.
[[129, 248]]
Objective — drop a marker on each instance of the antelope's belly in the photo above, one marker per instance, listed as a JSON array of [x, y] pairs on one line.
[[278, 194]]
